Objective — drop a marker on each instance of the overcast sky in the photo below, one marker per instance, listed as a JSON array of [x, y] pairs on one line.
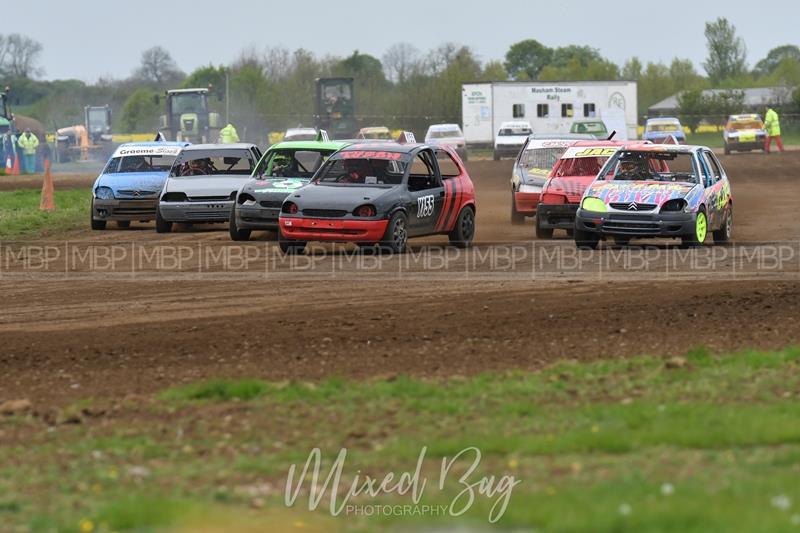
[[88, 39]]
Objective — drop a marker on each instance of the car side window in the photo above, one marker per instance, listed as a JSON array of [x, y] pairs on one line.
[[423, 172], [447, 166], [713, 165]]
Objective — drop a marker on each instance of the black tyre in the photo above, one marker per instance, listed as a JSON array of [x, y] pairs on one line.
[[123, 224], [237, 234], [543, 233], [97, 225], [465, 157], [162, 226], [495, 156], [698, 236], [586, 240], [289, 246], [727, 149], [396, 236], [464, 231], [725, 232], [517, 218]]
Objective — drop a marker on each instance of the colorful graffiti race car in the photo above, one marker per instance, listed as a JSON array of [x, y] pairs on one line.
[[531, 169], [203, 183], [285, 167], [657, 191], [127, 190], [382, 194], [743, 133], [562, 192]]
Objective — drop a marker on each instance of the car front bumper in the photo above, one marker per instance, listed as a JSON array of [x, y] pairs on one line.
[[636, 224], [257, 217], [141, 210], [332, 230], [556, 216], [218, 211]]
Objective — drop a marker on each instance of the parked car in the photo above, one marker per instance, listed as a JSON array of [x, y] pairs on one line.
[[657, 191], [743, 133], [127, 190], [658, 130], [510, 139], [203, 183], [592, 127], [447, 134], [379, 133], [300, 134]]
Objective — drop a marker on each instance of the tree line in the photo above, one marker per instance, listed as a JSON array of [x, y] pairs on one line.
[[273, 88]]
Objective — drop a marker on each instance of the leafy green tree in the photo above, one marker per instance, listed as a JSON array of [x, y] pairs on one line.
[[691, 107], [632, 69], [140, 112], [494, 71], [727, 53], [775, 57], [526, 59], [210, 76], [566, 55], [575, 70]]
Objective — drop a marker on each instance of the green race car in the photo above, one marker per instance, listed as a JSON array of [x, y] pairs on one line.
[[286, 167]]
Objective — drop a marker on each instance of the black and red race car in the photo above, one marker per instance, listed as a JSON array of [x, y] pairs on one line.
[[382, 194]]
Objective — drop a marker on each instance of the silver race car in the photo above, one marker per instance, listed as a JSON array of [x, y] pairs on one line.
[[203, 182]]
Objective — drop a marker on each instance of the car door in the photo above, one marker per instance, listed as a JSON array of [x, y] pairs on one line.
[[425, 193], [717, 193]]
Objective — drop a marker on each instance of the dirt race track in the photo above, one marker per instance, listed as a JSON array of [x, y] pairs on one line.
[[121, 313]]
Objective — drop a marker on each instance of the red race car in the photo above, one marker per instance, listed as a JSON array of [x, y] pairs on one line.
[[563, 191]]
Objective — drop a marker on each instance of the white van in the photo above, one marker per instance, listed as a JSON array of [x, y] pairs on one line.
[[511, 138]]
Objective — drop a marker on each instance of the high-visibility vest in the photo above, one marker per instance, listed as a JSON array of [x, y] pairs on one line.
[[28, 143], [228, 135], [772, 124]]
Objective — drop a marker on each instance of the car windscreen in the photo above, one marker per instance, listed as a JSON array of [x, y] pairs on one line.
[[663, 126], [541, 160], [651, 166], [507, 132], [445, 134], [286, 163], [590, 127], [139, 163], [360, 168], [213, 163], [580, 166]]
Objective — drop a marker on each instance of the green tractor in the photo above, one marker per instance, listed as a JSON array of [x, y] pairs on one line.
[[188, 117], [335, 106]]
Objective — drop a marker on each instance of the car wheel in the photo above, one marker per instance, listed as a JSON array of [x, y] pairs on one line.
[[724, 233], [698, 236], [543, 233], [236, 233], [289, 246], [97, 225], [162, 226], [586, 240], [396, 236], [727, 150], [465, 158], [464, 232], [517, 218], [123, 224], [495, 156]]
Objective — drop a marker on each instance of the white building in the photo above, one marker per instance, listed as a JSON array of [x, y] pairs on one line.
[[550, 107]]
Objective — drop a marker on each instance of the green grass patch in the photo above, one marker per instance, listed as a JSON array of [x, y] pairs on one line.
[[708, 443], [20, 215]]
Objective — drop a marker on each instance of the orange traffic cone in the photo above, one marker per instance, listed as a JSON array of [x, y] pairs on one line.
[[15, 167], [8, 165], [47, 202]]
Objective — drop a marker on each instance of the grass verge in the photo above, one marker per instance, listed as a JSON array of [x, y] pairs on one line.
[[701, 443], [20, 215]]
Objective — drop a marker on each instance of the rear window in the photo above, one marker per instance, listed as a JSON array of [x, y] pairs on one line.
[[505, 132], [745, 125], [445, 134], [663, 126]]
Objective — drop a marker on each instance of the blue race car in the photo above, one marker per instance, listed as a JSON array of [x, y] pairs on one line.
[[129, 186]]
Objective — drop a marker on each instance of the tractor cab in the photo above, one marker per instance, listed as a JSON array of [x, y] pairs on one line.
[[98, 123], [188, 118], [335, 107]]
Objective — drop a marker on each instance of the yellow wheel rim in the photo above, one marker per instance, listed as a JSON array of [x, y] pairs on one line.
[[701, 227]]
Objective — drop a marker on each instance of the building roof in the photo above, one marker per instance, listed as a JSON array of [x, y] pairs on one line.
[[753, 97]]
